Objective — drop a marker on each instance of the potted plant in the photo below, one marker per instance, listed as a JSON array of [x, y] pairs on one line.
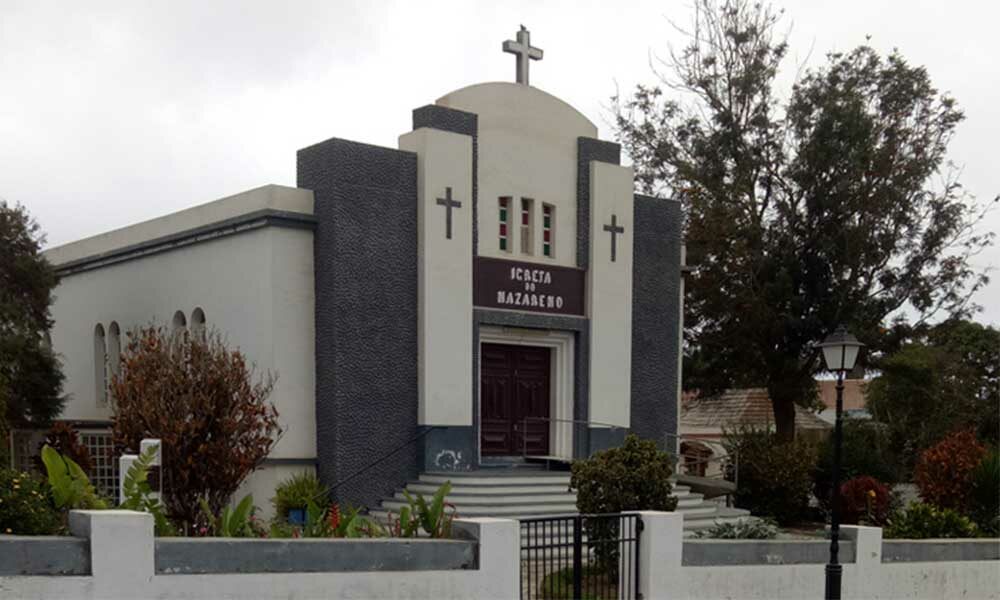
[[294, 494]]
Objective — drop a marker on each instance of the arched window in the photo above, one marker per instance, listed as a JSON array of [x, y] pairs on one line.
[[180, 322], [100, 366], [114, 349], [198, 323]]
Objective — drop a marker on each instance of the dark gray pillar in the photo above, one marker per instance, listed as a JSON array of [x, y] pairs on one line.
[[656, 284], [588, 149], [365, 253]]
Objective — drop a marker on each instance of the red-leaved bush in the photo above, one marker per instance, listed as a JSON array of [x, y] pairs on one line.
[[943, 471], [864, 499], [66, 440], [205, 404]]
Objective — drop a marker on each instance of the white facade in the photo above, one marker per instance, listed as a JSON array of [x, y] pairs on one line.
[[527, 149], [255, 286], [609, 293], [444, 275]]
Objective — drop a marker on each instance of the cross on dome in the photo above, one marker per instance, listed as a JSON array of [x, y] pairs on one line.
[[524, 52]]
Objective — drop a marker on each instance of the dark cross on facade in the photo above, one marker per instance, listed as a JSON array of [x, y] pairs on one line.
[[449, 204], [524, 52], [614, 229]]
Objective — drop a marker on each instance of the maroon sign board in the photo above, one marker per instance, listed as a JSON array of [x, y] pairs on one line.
[[531, 287]]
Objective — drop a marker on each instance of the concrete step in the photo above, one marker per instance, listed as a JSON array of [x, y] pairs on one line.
[[464, 495], [481, 499], [505, 479], [699, 517], [497, 510], [465, 489], [525, 493]]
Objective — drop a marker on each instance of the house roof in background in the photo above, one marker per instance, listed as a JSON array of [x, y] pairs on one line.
[[750, 406], [854, 393]]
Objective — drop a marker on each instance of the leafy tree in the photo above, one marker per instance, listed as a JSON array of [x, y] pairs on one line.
[[205, 404], [833, 207], [30, 374], [945, 378]]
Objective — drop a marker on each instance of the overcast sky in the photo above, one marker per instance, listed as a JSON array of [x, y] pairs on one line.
[[112, 113]]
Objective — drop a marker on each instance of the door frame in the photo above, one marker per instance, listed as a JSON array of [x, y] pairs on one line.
[[561, 378]]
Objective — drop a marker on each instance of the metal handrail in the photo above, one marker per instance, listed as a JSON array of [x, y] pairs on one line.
[[733, 459], [524, 428], [524, 422]]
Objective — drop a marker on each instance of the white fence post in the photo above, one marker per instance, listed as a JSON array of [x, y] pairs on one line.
[[661, 548], [121, 549], [499, 554], [862, 580]]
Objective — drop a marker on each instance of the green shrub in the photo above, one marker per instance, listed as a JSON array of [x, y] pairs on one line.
[[26, 506], [330, 522], [435, 517], [231, 522], [70, 486], [866, 451], [742, 529], [922, 521], [297, 492], [775, 477], [984, 493], [137, 494], [634, 476]]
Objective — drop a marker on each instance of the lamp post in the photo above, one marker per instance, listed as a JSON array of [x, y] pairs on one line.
[[840, 351]]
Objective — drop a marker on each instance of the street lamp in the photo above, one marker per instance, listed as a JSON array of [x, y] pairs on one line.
[[840, 351]]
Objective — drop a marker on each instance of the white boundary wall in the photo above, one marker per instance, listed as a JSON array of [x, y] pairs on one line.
[[663, 575], [122, 567]]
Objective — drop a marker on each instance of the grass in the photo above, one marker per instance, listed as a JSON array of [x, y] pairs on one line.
[[596, 585]]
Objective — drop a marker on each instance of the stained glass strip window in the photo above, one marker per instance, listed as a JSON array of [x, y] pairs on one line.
[[504, 236], [527, 241], [548, 236]]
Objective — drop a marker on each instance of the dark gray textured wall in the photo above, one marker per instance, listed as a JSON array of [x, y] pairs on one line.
[[588, 149], [703, 553], [365, 252], [940, 550], [43, 555], [656, 281], [177, 556]]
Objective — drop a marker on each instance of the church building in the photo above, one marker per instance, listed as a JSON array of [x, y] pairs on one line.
[[491, 290]]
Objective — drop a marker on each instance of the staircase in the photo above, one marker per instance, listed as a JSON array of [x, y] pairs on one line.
[[522, 492]]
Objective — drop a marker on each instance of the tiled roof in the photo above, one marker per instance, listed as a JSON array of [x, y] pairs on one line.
[[740, 407]]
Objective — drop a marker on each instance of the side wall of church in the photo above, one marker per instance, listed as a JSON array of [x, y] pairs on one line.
[[254, 287], [366, 315], [656, 321]]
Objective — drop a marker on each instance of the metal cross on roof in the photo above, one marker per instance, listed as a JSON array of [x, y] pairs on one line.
[[524, 52]]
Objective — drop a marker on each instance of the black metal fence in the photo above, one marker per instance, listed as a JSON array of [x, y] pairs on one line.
[[581, 556]]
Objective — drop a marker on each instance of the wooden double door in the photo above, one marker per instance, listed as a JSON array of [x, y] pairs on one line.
[[514, 400]]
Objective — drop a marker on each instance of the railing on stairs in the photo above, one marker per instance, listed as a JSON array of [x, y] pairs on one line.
[[712, 474]]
